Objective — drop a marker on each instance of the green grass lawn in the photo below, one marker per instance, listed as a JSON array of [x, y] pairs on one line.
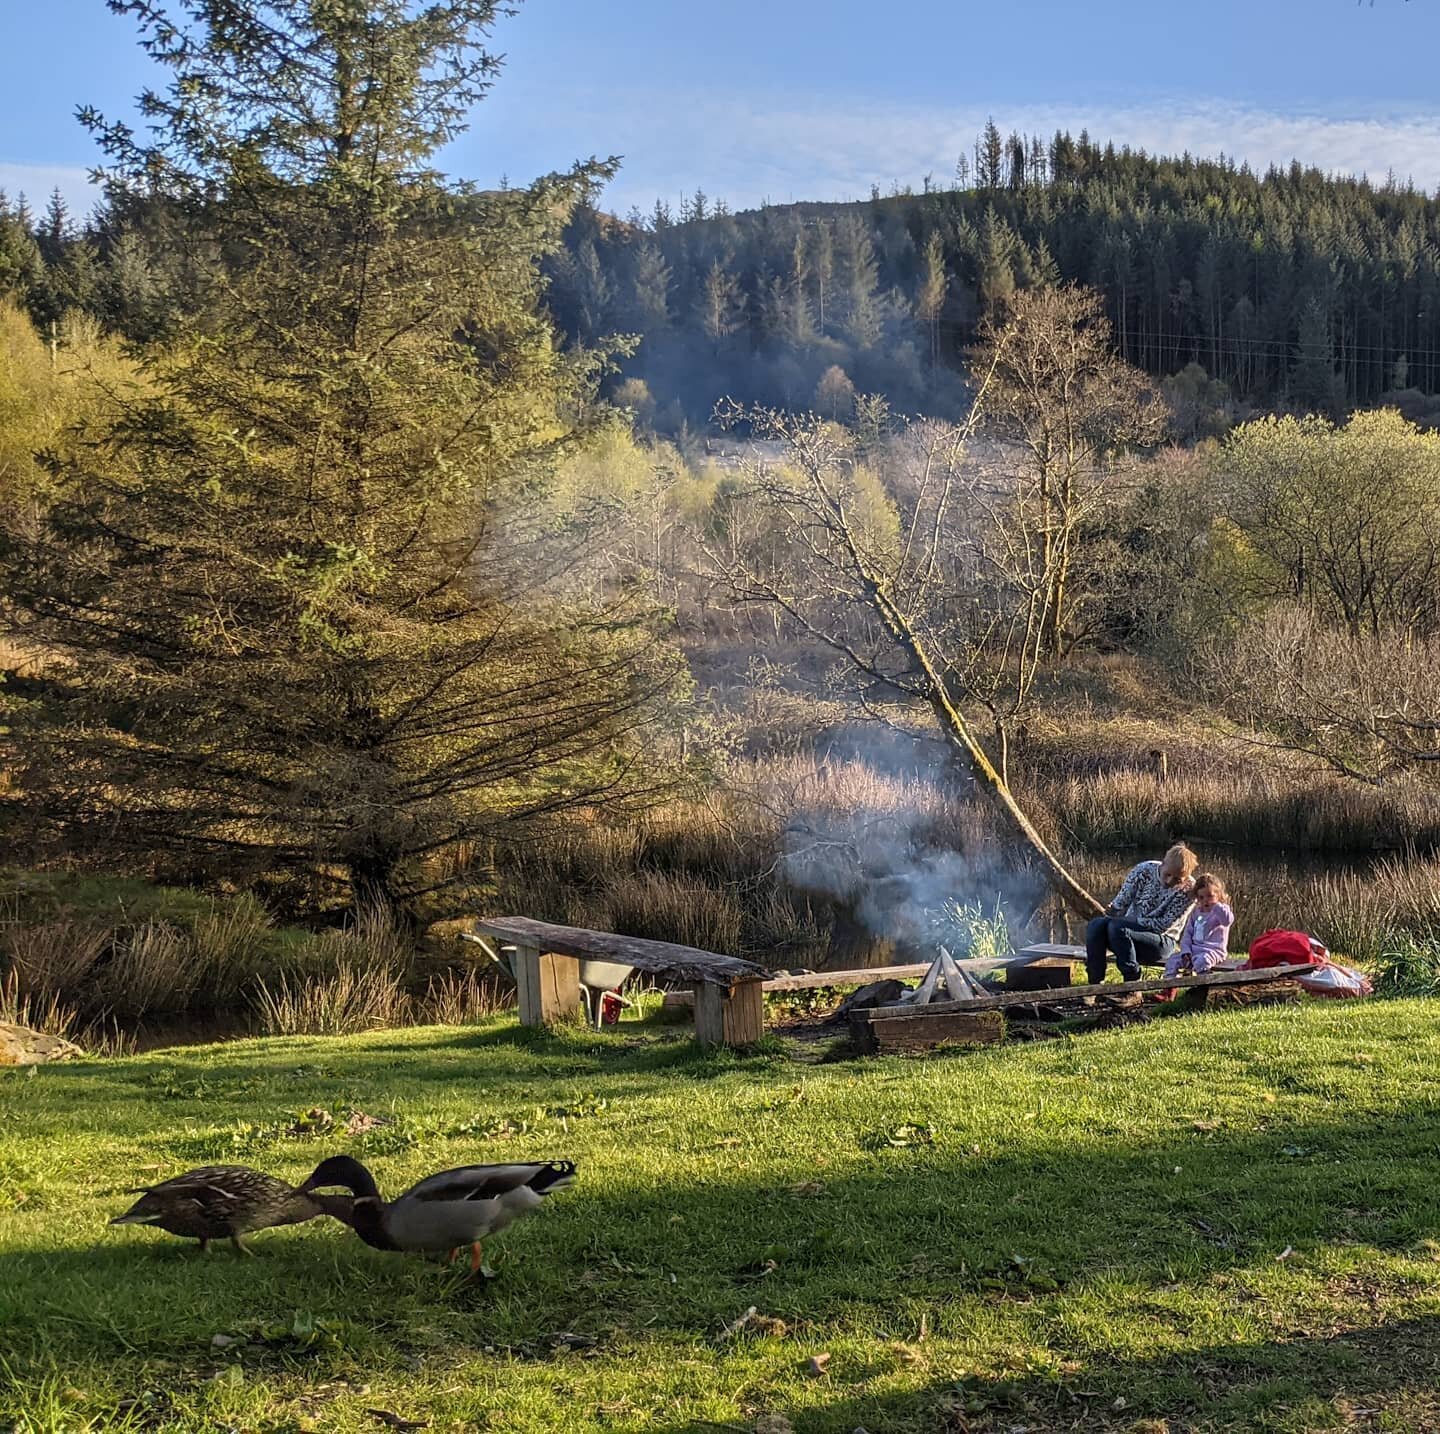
[[1230, 1221]]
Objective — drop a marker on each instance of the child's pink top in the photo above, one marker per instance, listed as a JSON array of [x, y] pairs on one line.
[[1207, 933]]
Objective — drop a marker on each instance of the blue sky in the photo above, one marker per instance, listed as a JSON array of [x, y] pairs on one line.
[[791, 99]]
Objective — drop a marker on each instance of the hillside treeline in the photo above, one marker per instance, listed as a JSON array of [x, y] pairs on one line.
[[1294, 288]]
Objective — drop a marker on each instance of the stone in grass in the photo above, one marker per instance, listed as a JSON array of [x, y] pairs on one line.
[[20, 1046], [877, 993]]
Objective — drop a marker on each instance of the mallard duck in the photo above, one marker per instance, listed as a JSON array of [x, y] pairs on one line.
[[219, 1202], [444, 1212]]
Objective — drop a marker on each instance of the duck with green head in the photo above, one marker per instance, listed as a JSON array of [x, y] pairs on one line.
[[442, 1213]]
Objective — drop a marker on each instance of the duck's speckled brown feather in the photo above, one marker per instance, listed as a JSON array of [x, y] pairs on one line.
[[219, 1202]]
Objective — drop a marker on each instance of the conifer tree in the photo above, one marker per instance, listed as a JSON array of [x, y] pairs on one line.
[[1314, 383], [56, 229], [313, 614], [990, 159], [22, 270], [649, 291], [859, 284], [1017, 158], [997, 260], [930, 296], [800, 319], [719, 305]]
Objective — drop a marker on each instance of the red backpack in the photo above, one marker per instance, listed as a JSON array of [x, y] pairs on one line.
[[1292, 948], [1285, 948]]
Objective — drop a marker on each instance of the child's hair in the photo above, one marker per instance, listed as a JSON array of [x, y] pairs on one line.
[[1180, 858], [1208, 878]]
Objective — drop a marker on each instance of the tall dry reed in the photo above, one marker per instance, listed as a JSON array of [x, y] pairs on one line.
[[1131, 808], [459, 998], [342, 1002]]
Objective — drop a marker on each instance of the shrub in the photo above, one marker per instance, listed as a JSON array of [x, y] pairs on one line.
[[1408, 965]]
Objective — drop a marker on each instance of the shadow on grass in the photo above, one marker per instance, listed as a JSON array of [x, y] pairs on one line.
[[1026, 1239], [1062, 1242], [1386, 1377]]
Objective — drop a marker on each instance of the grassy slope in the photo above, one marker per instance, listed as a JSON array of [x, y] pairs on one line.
[[1098, 1220]]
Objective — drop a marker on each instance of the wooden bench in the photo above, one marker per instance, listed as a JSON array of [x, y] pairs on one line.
[[729, 1004]]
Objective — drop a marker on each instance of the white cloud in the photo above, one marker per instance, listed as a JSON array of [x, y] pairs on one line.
[[747, 150], [35, 181]]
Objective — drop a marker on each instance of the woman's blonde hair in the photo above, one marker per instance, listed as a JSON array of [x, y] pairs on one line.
[[1208, 878], [1180, 856]]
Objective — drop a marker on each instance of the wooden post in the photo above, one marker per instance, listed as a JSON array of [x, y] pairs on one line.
[[548, 987], [729, 1015]]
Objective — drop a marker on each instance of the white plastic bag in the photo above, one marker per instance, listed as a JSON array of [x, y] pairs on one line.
[[1333, 980]]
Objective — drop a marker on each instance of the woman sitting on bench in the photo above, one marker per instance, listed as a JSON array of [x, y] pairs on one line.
[[1143, 923]]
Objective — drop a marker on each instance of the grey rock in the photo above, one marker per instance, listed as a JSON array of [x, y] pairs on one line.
[[20, 1046]]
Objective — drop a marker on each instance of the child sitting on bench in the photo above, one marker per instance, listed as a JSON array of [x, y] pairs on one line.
[[1205, 938]]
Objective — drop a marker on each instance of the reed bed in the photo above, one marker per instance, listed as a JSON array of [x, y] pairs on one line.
[[97, 978], [1131, 808], [720, 870]]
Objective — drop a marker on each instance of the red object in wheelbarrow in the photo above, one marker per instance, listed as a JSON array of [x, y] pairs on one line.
[[601, 982]]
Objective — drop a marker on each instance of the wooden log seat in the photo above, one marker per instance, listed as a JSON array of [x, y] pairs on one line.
[[729, 1002]]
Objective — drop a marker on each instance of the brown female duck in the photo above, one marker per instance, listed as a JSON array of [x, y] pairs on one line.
[[220, 1202]]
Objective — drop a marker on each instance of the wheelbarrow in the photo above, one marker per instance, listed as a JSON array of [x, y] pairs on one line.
[[599, 979]]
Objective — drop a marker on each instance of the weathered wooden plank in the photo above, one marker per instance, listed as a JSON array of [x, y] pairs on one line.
[[813, 980], [1030, 956], [687, 963], [1055, 951], [547, 987], [729, 1016], [924, 1028], [1113, 988]]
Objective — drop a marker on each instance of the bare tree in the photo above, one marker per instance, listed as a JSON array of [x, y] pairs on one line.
[[1366, 705], [868, 573], [1058, 389]]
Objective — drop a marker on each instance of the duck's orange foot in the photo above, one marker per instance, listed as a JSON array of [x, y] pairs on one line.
[[475, 1258]]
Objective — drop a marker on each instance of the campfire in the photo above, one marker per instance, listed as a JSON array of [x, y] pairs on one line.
[[945, 981]]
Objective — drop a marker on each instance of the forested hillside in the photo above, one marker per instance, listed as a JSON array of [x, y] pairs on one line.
[[1293, 288]]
